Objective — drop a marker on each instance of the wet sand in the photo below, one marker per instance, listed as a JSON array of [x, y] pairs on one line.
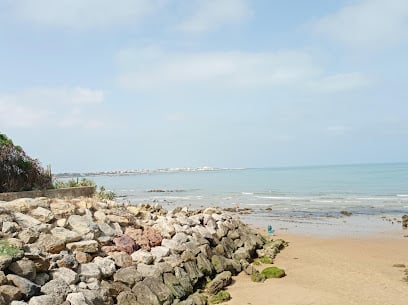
[[332, 271]]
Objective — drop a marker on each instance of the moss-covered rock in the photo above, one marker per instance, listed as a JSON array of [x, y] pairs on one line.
[[220, 297], [273, 272], [266, 260], [8, 249], [258, 277]]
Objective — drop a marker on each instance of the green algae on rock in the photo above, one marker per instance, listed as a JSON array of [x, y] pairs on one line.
[[220, 297], [273, 272]]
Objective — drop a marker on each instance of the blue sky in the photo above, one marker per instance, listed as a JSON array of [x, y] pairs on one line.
[[89, 85]]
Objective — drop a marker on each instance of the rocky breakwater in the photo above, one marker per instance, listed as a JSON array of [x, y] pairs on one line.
[[88, 252]]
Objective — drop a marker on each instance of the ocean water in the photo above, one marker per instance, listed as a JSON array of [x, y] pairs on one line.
[[297, 194]]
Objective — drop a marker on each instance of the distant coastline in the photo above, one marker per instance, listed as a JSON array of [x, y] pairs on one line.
[[144, 171]]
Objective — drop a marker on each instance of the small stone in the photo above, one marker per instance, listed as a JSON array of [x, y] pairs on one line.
[[77, 298], [82, 257], [42, 214], [121, 259], [127, 298], [42, 300], [9, 227], [142, 256], [5, 261], [87, 246], [125, 244], [82, 224], [3, 279], [50, 243], [66, 235], [128, 276], [100, 216], [41, 278], [89, 271], [27, 288], [144, 294], [28, 236], [10, 293], [159, 252], [106, 265], [61, 222], [119, 219], [106, 229], [219, 282], [62, 209], [24, 268], [69, 276]]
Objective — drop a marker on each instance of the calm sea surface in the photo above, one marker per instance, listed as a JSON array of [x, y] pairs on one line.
[[293, 191]]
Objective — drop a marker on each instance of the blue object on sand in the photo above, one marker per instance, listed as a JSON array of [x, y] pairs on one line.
[[270, 230]]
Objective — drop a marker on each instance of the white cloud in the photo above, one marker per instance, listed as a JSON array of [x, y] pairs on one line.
[[57, 107], [211, 14], [149, 69], [367, 24], [82, 14]]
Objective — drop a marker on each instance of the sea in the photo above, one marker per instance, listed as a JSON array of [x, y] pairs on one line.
[[310, 199]]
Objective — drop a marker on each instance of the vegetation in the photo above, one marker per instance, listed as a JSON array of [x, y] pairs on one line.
[[7, 249], [104, 194], [19, 172], [273, 272], [58, 184], [257, 277], [220, 297]]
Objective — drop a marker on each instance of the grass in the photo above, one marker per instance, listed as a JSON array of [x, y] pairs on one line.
[[7, 249]]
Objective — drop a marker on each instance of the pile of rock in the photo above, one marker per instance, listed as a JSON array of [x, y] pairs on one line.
[[87, 252]]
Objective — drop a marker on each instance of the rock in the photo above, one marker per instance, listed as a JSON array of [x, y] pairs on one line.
[[146, 238], [221, 264], [125, 244], [163, 293], [41, 278], [123, 221], [82, 224], [89, 271], [50, 243], [241, 253], [204, 265], [9, 227], [24, 268], [193, 272], [87, 246], [27, 288], [100, 216], [142, 256], [273, 272], [61, 222], [121, 259], [144, 295], [184, 280], [219, 282], [257, 277], [128, 276], [82, 257], [23, 205], [17, 303], [28, 236], [43, 300], [106, 265], [127, 298], [62, 209], [26, 221], [5, 261], [159, 252], [174, 285], [69, 276], [10, 293], [56, 288], [77, 298], [68, 261], [66, 235], [42, 214], [405, 221], [3, 279], [106, 229]]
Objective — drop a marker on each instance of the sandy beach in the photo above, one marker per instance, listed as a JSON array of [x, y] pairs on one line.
[[330, 271]]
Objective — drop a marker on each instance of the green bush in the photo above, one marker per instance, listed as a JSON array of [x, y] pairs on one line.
[[58, 184]]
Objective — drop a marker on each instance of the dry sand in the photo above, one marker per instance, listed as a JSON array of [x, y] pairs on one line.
[[331, 271]]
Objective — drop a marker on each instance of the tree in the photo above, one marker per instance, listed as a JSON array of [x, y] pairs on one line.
[[19, 172]]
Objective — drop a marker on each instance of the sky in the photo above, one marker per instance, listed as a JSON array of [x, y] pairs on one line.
[[95, 85]]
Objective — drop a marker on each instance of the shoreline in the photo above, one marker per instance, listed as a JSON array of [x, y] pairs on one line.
[[336, 270]]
